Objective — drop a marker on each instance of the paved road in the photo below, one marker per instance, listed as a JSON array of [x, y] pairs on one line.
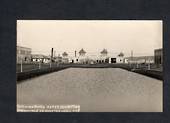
[[95, 90]]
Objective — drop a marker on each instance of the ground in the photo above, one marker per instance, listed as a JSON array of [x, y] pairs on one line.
[[95, 90]]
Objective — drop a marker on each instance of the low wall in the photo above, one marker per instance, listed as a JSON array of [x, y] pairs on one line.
[[34, 73], [123, 66], [150, 73]]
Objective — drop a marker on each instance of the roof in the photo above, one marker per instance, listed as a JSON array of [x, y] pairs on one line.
[[58, 57], [82, 51], [104, 51], [158, 50], [65, 54], [141, 57], [121, 54], [24, 48], [39, 56]]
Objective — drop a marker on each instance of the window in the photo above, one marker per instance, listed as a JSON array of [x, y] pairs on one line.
[[22, 52], [28, 52]]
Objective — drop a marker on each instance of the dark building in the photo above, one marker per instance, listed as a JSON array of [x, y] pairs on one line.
[[158, 56]]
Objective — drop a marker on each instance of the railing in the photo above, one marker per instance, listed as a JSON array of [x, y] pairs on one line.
[[24, 67], [29, 70]]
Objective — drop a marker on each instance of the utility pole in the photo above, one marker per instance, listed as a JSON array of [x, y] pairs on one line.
[[149, 67], [40, 65], [131, 58], [75, 53], [54, 53], [137, 65], [21, 64], [131, 54], [51, 54], [51, 57]]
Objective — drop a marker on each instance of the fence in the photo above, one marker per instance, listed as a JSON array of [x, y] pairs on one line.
[[34, 66], [29, 70]]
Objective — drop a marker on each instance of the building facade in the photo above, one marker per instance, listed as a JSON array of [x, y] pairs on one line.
[[140, 60], [103, 57], [23, 54], [65, 58], [40, 58], [118, 59], [158, 56]]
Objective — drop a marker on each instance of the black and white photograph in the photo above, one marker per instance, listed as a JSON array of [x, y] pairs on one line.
[[89, 66]]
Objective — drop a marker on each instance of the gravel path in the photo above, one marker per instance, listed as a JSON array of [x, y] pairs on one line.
[[95, 90]]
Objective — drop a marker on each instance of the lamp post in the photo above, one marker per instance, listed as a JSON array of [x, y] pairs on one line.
[[50, 64], [40, 65], [137, 65], [131, 63], [51, 57], [21, 64], [149, 67]]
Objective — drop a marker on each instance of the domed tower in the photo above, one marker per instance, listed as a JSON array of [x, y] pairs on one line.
[[65, 58], [64, 54], [82, 57], [82, 52], [104, 52], [120, 58], [103, 58], [121, 54]]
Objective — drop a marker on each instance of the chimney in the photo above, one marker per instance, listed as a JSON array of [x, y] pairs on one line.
[[51, 53], [75, 53]]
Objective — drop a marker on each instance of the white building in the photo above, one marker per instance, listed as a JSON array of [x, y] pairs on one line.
[[81, 59], [40, 58], [126, 61], [82, 56], [65, 58], [118, 59], [103, 57], [141, 59]]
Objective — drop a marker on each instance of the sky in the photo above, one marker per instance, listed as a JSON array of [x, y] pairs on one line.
[[141, 37]]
